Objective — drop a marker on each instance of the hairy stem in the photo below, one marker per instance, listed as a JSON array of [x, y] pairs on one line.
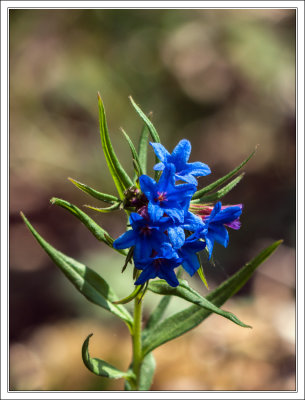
[[136, 341]]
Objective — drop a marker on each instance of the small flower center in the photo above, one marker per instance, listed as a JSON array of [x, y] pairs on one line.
[[145, 230], [161, 197]]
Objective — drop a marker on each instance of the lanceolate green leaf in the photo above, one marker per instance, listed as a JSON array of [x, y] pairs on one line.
[[108, 198], [185, 292], [101, 367], [200, 193], [93, 227], [147, 372], [105, 210], [86, 281], [150, 126], [133, 151], [158, 312], [220, 193], [143, 148], [189, 318], [120, 177]]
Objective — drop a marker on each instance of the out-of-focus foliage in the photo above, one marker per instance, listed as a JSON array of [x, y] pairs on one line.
[[225, 80]]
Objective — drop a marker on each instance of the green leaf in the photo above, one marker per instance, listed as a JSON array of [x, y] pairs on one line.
[[85, 280], [158, 312], [143, 148], [200, 193], [93, 227], [108, 198], [149, 124], [147, 371], [220, 193], [100, 367], [189, 318], [120, 177], [187, 293], [105, 210], [133, 151]]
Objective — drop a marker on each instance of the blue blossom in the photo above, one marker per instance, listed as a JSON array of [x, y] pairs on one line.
[[213, 228], [161, 264], [144, 236], [166, 198], [176, 230], [188, 253], [184, 171]]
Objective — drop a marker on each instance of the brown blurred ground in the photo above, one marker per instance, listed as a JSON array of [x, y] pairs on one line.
[[224, 79]]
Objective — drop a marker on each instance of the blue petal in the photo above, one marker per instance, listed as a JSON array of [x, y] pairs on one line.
[[167, 178], [191, 263], [197, 168], [228, 214], [126, 240], [210, 245], [181, 152], [169, 275], [176, 236], [155, 211], [160, 151], [159, 167], [220, 234], [147, 185], [147, 273], [186, 178]]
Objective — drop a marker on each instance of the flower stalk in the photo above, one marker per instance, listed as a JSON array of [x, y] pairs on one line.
[[137, 341]]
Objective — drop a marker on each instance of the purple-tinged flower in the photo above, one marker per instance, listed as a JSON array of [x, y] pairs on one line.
[[214, 226], [204, 210], [188, 253], [144, 236], [184, 171], [161, 264], [165, 198]]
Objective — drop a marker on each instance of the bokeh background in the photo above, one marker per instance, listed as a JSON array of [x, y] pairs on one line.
[[225, 80]]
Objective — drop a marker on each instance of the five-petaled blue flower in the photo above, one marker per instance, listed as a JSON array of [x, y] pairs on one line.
[[165, 197], [179, 158], [213, 228]]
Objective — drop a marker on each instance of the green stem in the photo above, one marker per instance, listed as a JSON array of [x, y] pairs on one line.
[[136, 341]]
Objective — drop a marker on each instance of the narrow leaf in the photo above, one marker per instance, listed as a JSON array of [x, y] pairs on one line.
[[189, 318], [133, 151], [100, 367], [120, 177], [105, 210], [149, 124], [85, 280], [158, 312], [143, 148], [187, 293], [93, 227], [147, 372], [200, 193], [220, 193], [108, 198]]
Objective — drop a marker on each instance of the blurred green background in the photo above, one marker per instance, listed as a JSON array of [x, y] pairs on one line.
[[225, 80]]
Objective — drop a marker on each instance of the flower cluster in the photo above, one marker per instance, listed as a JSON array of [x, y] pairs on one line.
[[167, 230]]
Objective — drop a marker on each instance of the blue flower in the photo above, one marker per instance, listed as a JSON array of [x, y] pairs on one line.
[[213, 228], [184, 171], [176, 230], [188, 253], [165, 198], [161, 264], [144, 236]]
